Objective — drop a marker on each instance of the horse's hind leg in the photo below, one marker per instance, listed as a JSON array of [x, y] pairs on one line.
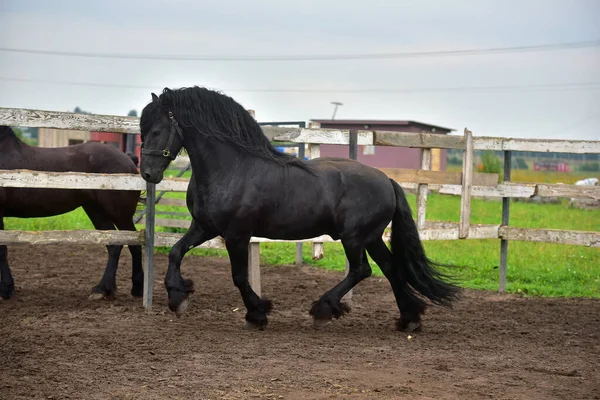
[[410, 307], [137, 271], [329, 305], [257, 309], [107, 287], [7, 285]]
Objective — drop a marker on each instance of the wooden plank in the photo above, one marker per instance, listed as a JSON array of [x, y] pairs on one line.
[[168, 239], [299, 259], [422, 189], [79, 180], [321, 136], [254, 267], [417, 140], [317, 251], [314, 151], [149, 247], [174, 213], [169, 222], [521, 190], [435, 231], [465, 199], [78, 237], [451, 231], [122, 124], [542, 145], [89, 237], [173, 223], [572, 191], [67, 120], [579, 238], [505, 220], [172, 202], [437, 177]]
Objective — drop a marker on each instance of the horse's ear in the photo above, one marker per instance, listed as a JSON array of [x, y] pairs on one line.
[[154, 97]]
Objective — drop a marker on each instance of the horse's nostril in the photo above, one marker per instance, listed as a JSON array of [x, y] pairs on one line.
[[146, 176]]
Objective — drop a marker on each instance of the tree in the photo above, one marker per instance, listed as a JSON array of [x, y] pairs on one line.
[[78, 110], [132, 113]]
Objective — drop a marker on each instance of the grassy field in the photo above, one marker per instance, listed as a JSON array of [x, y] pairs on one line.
[[533, 268]]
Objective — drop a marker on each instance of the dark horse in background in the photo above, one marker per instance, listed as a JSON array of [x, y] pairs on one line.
[[242, 187], [106, 209]]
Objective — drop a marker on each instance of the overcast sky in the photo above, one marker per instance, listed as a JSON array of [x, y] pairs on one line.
[[279, 28]]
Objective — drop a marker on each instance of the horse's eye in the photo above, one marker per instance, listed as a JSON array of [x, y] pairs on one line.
[[156, 133]]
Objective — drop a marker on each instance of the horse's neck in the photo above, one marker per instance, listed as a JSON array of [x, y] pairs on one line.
[[210, 158]]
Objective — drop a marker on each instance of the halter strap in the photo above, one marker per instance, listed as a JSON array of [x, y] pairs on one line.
[[175, 129]]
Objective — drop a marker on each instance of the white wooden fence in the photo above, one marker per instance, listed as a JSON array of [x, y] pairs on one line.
[[466, 185]]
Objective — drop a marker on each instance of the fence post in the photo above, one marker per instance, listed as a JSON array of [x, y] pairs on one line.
[[314, 151], [254, 267], [149, 246], [505, 215], [299, 245], [353, 154], [422, 189], [130, 143], [254, 254], [467, 179]]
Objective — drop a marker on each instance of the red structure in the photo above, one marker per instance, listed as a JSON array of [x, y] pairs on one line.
[[386, 156], [551, 166], [118, 140]]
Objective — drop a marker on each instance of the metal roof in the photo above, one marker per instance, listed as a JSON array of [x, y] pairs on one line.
[[378, 122]]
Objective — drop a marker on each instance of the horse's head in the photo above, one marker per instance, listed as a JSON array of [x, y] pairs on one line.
[[162, 139]]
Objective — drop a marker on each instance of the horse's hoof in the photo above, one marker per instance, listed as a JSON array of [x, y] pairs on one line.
[[96, 296], [250, 326], [6, 290], [137, 291], [412, 326], [181, 308], [320, 323]]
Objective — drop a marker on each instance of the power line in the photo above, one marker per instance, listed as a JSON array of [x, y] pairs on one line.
[[467, 89], [315, 57], [578, 123]]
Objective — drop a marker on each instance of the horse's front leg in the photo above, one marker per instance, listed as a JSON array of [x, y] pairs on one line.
[[7, 285], [178, 288], [256, 308]]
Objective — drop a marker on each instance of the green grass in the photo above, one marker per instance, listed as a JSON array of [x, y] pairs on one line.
[[533, 268]]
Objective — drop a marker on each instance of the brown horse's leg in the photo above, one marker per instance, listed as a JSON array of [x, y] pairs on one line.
[[7, 285], [137, 272], [107, 287]]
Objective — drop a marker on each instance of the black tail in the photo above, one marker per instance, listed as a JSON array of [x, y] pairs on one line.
[[409, 256]]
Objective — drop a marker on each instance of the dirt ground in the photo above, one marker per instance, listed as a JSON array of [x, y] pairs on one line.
[[56, 344]]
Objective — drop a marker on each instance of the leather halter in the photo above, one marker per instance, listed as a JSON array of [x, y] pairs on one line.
[[167, 151]]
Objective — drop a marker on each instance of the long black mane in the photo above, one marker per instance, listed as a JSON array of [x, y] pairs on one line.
[[217, 116]]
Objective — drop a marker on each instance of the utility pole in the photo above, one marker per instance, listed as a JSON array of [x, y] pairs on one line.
[[336, 104]]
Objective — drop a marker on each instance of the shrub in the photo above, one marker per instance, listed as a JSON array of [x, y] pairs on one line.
[[589, 167], [490, 163]]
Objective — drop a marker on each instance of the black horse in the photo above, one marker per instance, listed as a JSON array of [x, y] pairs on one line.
[[105, 208], [242, 187]]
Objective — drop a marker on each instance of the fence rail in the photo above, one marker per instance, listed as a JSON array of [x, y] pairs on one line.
[[466, 184]]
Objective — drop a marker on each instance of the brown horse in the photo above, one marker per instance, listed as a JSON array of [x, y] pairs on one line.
[[106, 209]]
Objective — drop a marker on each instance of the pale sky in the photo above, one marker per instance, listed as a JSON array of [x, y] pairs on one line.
[[232, 28]]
